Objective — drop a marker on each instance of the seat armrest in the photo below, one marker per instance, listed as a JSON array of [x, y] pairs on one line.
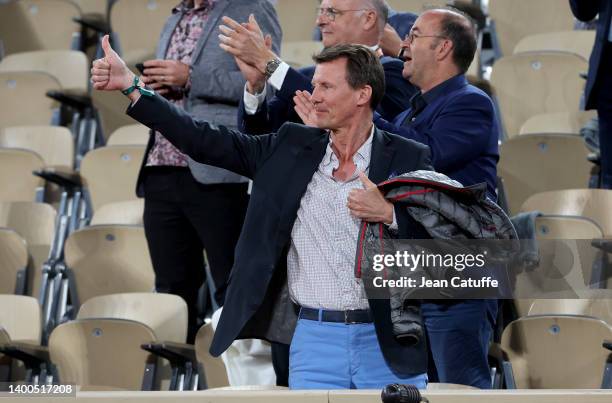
[[32, 355], [176, 353], [61, 176]]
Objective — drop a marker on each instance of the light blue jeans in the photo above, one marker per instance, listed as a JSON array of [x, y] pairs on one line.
[[329, 355]]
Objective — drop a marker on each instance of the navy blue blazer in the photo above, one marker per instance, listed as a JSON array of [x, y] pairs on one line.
[[460, 127], [280, 109], [586, 10], [281, 165]]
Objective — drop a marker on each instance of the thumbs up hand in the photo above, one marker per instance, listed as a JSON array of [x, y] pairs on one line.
[[110, 73], [369, 203]]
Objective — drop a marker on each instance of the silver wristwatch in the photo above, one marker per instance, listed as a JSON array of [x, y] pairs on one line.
[[271, 67]]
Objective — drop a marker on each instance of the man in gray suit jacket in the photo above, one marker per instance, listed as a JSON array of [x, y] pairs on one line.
[[190, 206]]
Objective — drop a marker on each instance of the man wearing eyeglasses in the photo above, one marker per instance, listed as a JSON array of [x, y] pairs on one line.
[[458, 122], [340, 22]]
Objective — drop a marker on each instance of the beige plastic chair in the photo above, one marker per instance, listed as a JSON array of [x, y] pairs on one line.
[[23, 100], [590, 203], [517, 19], [297, 19], [90, 7], [214, 368], [125, 212], [107, 336], [110, 173], [13, 261], [534, 163], [109, 259], [111, 107], [54, 144], [127, 19], [35, 223], [129, 135], [20, 317], [576, 42], [557, 122], [529, 84], [415, 6], [556, 352], [16, 180], [600, 308], [299, 54], [27, 25], [69, 67]]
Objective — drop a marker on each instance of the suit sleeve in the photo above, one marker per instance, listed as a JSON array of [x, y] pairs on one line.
[[202, 141], [460, 133], [215, 80], [585, 10], [398, 90]]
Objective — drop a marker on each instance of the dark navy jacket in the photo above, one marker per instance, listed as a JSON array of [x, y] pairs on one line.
[[278, 110], [458, 122]]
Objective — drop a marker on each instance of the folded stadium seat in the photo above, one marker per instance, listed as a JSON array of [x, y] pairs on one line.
[[299, 53], [127, 17], [516, 19], [124, 212], [556, 352], [109, 174], [22, 358], [599, 308], [16, 180], [14, 262], [27, 25], [54, 144], [534, 163], [101, 349], [137, 134], [26, 88], [577, 42], [528, 84], [557, 122], [71, 69], [415, 6], [110, 108], [215, 371]]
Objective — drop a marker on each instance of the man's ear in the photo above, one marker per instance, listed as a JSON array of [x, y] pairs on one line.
[[445, 50], [365, 94], [371, 20]]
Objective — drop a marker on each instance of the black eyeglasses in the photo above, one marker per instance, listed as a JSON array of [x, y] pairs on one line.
[[412, 36], [332, 13]]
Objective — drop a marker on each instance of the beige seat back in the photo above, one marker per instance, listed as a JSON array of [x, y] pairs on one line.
[[297, 19], [299, 53], [111, 106], [35, 223], [69, 67], [125, 212], [54, 144], [600, 308], [415, 6], [165, 314], [529, 84], [214, 368], [557, 122], [101, 353], [534, 163], [129, 135], [556, 352], [590, 203], [13, 259], [40, 24], [26, 88], [109, 259], [576, 42], [99, 7], [16, 180], [127, 17], [20, 317], [517, 19], [110, 173]]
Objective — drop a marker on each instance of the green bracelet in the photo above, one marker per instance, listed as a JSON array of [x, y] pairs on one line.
[[142, 90]]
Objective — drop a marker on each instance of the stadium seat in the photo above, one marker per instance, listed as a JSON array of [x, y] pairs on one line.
[[14, 262], [415, 6], [538, 162], [577, 42], [529, 84], [297, 19], [124, 212], [557, 122], [516, 19], [54, 144], [556, 352], [20, 88], [590, 203], [41, 24], [299, 53], [20, 318], [110, 173], [599, 308], [129, 135], [16, 180], [111, 107], [214, 368]]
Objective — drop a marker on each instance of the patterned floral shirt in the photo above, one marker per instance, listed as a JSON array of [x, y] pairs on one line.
[[182, 43]]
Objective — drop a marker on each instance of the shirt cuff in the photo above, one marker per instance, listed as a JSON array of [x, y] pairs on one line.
[[252, 102], [393, 226], [277, 78]]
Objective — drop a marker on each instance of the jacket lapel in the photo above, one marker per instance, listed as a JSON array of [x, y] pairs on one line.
[[164, 40], [381, 156], [213, 22]]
